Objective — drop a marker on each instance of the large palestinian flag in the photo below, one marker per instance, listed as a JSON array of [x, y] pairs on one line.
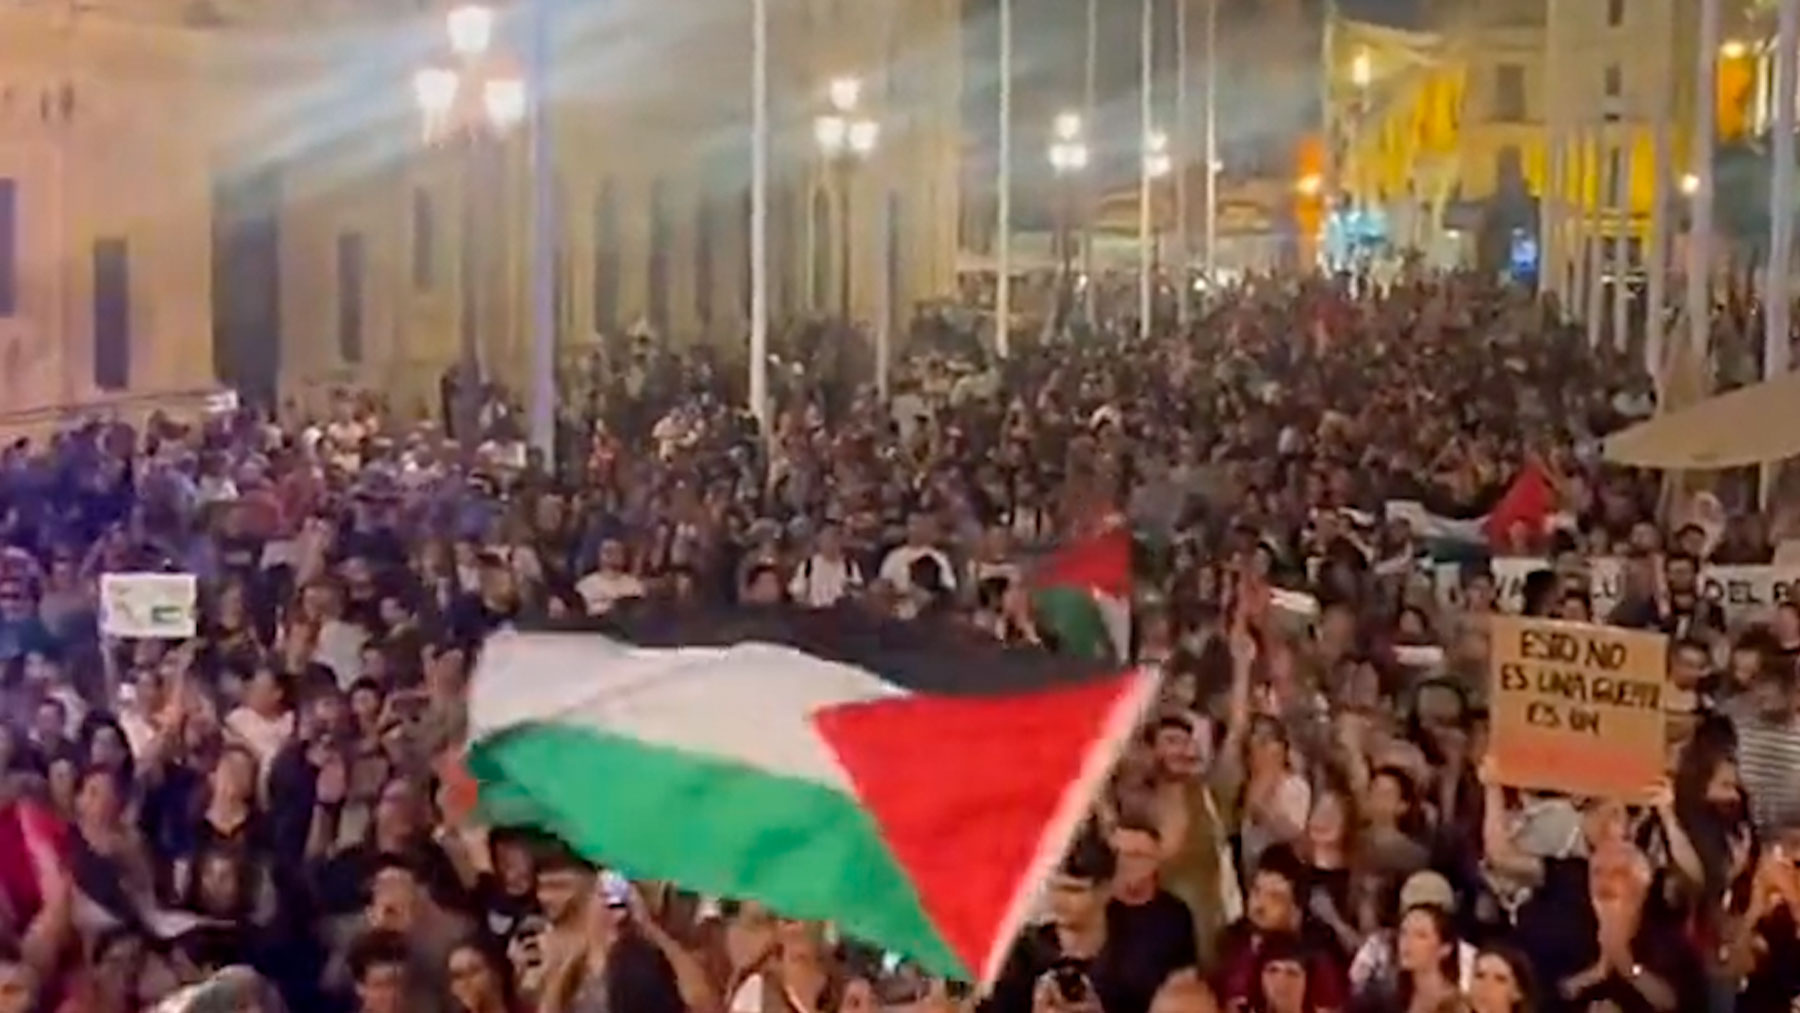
[[908, 782], [1081, 594]]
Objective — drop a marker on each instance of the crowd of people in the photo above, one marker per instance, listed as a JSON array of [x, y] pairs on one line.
[[262, 815]]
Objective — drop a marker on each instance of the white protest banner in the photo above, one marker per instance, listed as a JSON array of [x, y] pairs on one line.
[[157, 606], [1509, 579], [1606, 582], [1749, 594]]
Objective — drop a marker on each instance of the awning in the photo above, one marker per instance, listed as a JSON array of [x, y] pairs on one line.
[[1750, 425]]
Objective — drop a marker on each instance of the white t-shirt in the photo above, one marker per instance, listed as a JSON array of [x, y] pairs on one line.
[[264, 736], [820, 582], [896, 569], [600, 590]]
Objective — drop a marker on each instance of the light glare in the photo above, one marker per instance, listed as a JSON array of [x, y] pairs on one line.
[[471, 29]]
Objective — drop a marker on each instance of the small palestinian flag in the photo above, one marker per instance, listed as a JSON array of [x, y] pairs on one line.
[[908, 782], [1081, 595]]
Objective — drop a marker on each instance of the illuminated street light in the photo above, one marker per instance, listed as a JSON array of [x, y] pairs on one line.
[[435, 90], [504, 100], [1157, 162], [863, 134], [1690, 184], [1068, 152], [1362, 69], [1733, 49], [1310, 184], [469, 105], [1068, 156], [471, 29], [845, 93]]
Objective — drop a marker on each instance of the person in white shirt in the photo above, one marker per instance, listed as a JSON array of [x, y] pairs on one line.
[[611, 583], [263, 723], [896, 569], [827, 576]]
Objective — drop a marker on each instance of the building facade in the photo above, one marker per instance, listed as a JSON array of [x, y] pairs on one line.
[[240, 194], [1441, 125]]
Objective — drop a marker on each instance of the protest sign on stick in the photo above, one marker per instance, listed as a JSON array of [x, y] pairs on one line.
[[1577, 708], [158, 606]]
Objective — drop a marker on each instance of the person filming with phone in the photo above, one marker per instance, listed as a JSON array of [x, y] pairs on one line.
[[1072, 964]]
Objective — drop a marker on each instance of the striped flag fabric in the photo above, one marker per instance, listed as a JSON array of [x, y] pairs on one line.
[[1081, 594], [909, 782]]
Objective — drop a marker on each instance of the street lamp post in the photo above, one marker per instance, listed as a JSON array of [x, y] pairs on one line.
[[845, 139], [1157, 164], [469, 105], [1068, 158]]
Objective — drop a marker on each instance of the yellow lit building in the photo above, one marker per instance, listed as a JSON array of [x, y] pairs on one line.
[[1459, 117], [197, 193]]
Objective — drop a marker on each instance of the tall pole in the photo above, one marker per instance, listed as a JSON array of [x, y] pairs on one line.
[[468, 386], [1550, 196], [1593, 193], [1778, 300], [1211, 255], [1183, 289], [1656, 298], [1090, 107], [1146, 113], [1620, 200], [545, 263], [1003, 203], [1700, 259], [759, 214], [845, 180]]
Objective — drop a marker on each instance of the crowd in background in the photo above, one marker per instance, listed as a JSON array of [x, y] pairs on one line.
[[1307, 823]]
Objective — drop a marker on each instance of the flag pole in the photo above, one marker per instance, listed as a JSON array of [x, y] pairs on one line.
[[1090, 99]]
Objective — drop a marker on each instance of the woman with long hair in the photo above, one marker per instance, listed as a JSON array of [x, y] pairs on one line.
[[1425, 950], [1503, 982], [1329, 847], [481, 978]]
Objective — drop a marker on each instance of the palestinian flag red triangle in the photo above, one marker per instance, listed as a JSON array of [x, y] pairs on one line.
[[982, 817]]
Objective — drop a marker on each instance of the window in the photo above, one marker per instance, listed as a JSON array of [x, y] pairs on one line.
[[1509, 92], [424, 241], [1615, 13], [351, 256], [606, 258], [661, 238], [112, 315], [1614, 80], [9, 247]]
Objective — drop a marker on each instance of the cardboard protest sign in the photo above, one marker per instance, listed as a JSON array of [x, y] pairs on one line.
[[156, 606], [1749, 594], [1577, 708]]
